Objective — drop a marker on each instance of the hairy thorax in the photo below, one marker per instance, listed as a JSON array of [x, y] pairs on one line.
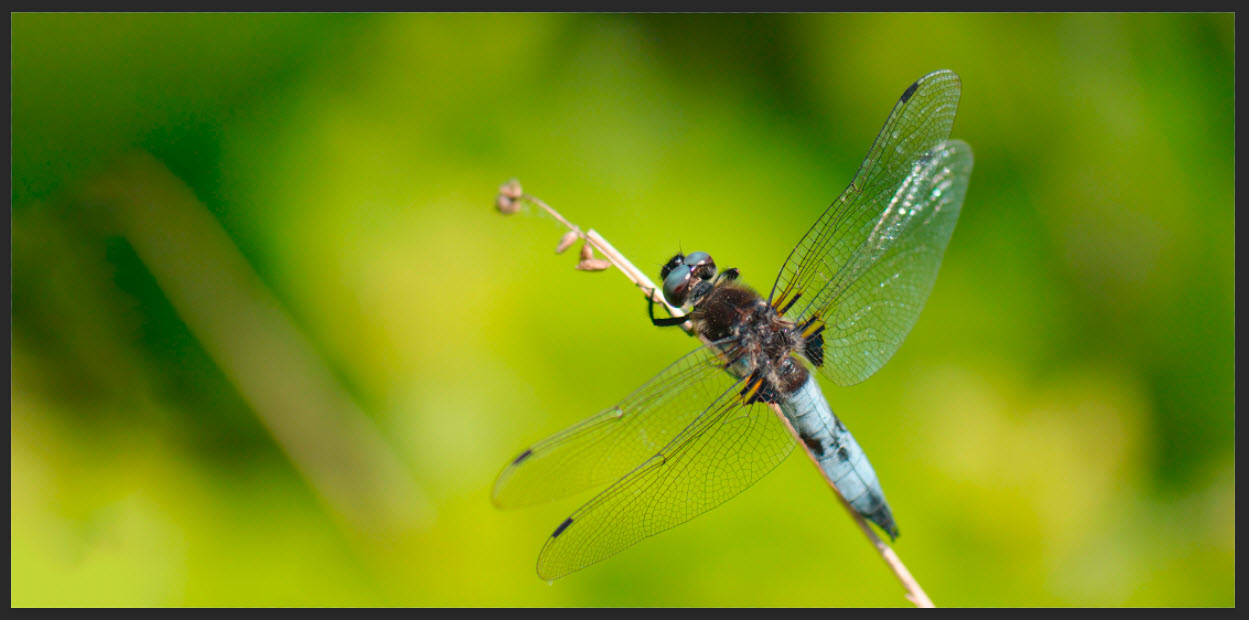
[[763, 343]]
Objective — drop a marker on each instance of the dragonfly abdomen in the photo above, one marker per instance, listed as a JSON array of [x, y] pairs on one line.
[[839, 455]]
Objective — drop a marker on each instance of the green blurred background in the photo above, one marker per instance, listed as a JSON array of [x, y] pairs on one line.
[[311, 408]]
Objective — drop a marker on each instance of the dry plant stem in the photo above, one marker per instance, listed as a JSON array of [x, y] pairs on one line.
[[247, 332], [914, 592], [613, 255]]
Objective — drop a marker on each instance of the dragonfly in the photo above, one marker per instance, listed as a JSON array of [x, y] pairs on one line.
[[703, 430]]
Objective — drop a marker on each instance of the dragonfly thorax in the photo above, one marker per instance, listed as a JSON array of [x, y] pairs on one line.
[[755, 337]]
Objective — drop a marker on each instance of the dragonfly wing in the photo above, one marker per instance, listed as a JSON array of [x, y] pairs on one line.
[[863, 272], [608, 445], [724, 451], [892, 276]]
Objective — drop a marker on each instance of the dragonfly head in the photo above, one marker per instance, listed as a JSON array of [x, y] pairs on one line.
[[687, 278]]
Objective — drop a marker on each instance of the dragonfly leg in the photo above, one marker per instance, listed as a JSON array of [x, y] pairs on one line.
[[668, 322]]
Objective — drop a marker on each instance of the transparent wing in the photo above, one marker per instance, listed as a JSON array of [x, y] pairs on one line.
[[728, 448], [860, 276], [611, 443]]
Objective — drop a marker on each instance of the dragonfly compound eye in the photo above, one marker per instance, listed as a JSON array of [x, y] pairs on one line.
[[701, 265], [677, 285], [672, 263]]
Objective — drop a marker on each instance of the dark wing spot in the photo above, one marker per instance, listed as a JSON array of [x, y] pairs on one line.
[[765, 393], [813, 348], [523, 455], [910, 90], [789, 304], [813, 343], [813, 445], [769, 394], [562, 526]]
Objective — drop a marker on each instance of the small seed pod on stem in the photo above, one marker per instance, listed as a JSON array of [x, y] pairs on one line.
[[566, 241], [508, 200]]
